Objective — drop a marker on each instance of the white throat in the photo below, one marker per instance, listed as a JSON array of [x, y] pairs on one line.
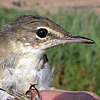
[[28, 71]]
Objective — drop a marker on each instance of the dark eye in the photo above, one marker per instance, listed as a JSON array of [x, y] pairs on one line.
[[42, 32]]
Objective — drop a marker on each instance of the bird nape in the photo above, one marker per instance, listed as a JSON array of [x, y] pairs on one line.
[[23, 60]]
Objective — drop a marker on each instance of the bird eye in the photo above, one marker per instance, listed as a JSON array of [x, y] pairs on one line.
[[42, 32]]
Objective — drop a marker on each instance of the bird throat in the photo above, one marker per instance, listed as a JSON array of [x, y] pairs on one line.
[[31, 68]]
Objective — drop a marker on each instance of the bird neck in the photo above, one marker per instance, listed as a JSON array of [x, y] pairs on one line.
[[32, 59]]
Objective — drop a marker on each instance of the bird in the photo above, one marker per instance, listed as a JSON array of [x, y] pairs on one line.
[[23, 46]]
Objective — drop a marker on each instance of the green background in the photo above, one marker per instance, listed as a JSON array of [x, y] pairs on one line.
[[77, 66]]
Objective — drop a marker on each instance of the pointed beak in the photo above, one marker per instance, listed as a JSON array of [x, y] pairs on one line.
[[76, 39]]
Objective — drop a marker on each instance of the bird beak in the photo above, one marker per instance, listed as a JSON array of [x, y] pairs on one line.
[[75, 39]]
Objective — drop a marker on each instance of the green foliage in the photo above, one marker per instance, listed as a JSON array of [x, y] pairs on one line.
[[77, 66], [16, 3]]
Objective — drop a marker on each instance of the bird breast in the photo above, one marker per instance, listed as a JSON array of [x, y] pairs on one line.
[[30, 69]]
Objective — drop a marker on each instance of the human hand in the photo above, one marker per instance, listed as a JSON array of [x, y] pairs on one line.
[[58, 94]]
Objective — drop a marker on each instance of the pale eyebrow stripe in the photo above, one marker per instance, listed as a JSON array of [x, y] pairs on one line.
[[51, 30]]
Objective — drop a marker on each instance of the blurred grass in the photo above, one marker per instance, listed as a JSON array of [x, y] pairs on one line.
[[77, 65]]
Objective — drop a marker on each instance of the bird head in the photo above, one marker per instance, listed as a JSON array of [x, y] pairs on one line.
[[42, 33]]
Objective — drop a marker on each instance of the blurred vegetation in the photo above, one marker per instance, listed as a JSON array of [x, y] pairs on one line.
[[77, 66]]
